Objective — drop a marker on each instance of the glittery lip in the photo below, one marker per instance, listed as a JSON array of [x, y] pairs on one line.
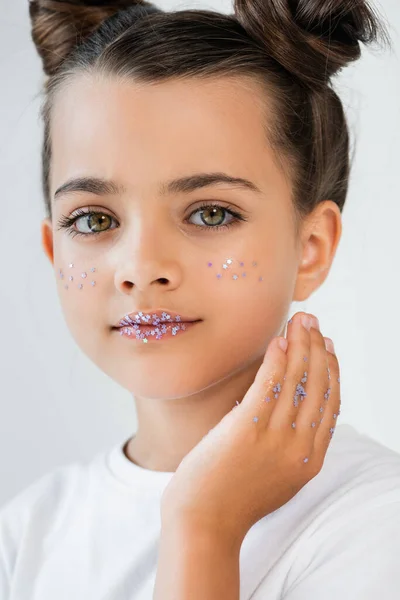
[[154, 318], [144, 333]]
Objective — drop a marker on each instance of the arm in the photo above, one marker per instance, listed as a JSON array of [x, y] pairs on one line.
[[197, 564]]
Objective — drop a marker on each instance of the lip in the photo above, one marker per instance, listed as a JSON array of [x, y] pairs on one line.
[[154, 317], [164, 331]]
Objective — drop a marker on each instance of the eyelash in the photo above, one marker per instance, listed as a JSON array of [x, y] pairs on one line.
[[67, 222]]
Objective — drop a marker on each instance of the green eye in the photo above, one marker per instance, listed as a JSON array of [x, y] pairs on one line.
[[211, 212], [95, 219]]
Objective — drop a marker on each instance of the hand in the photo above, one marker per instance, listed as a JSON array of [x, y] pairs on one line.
[[268, 447]]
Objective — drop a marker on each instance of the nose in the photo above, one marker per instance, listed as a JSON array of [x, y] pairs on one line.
[[141, 283], [150, 275], [148, 258]]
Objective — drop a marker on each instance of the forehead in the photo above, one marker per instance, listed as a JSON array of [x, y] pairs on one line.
[[133, 131]]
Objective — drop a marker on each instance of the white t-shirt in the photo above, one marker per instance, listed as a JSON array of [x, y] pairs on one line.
[[91, 532]]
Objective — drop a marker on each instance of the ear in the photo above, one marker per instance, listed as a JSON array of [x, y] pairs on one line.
[[47, 239], [320, 238]]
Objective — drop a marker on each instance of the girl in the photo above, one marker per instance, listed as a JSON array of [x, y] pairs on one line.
[[195, 169]]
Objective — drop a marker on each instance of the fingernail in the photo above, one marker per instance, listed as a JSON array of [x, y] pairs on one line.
[[306, 322], [315, 323], [283, 343], [329, 345]]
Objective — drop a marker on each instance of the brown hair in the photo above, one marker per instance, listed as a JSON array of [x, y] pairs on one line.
[[292, 47]]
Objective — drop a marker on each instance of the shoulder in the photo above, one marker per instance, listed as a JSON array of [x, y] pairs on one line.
[[39, 509], [355, 457], [352, 514], [49, 492], [360, 476], [35, 515], [41, 506]]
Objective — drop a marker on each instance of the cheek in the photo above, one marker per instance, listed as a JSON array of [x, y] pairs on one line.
[[247, 282], [233, 269], [253, 295], [73, 278], [78, 287]]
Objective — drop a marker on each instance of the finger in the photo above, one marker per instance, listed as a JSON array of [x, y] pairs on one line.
[[313, 409], [263, 395], [327, 427], [298, 355]]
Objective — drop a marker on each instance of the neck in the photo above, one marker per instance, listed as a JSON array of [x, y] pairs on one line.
[[168, 429]]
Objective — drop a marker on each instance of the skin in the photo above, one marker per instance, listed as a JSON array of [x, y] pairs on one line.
[[242, 471], [150, 258]]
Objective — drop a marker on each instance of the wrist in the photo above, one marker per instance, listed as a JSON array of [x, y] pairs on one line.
[[202, 531]]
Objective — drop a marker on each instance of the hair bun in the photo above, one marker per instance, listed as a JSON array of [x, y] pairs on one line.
[[312, 39], [59, 26]]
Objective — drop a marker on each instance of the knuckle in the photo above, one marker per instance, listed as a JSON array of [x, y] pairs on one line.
[[332, 358], [319, 341], [316, 466], [300, 448], [333, 364], [318, 458], [300, 359]]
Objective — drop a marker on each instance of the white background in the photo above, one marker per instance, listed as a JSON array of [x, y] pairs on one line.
[[55, 405]]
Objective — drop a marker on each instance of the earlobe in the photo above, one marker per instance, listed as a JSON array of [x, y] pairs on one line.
[[47, 239]]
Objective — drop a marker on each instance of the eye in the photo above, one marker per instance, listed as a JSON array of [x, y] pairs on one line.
[[94, 222], [213, 212]]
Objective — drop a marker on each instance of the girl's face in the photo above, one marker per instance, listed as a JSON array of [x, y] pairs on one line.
[[156, 247]]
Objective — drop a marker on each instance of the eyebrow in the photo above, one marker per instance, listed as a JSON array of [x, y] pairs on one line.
[[104, 187]]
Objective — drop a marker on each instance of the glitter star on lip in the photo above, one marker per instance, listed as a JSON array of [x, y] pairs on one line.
[[154, 317]]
